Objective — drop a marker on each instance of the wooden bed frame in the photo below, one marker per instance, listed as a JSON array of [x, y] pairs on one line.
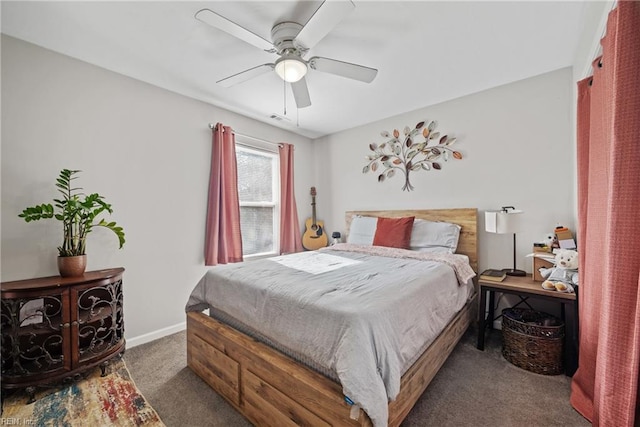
[[271, 389]]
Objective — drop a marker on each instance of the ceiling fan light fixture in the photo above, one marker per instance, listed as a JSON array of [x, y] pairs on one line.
[[291, 68]]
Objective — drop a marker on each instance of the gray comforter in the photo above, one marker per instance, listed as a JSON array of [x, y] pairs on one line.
[[365, 313]]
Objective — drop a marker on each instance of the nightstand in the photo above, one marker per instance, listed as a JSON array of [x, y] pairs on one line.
[[525, 287]]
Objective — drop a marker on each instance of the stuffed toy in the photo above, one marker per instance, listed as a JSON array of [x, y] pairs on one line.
[[564, 275], [546, 243], [548, 239]]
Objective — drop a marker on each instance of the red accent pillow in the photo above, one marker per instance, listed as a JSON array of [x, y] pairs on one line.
[[394, 232]]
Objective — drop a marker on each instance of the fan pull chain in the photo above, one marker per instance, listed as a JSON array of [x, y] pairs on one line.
[[284, 89]]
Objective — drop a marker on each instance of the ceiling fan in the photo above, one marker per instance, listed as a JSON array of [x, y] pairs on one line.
[[291, 41]]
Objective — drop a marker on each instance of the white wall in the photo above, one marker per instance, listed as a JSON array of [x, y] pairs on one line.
[[594, 19], [145, 149], [517, 145]]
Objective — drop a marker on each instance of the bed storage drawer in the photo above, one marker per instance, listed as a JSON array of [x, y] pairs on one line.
[[274, 390], [220, 371], [259, 394]]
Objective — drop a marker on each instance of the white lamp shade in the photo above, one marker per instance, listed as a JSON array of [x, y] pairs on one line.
[[503, 222], [291, 68]]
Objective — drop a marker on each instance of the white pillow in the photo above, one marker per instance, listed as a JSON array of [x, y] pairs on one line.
[[362, 230], [430, 236]]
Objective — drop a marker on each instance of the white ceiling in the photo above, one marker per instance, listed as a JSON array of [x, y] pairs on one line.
[[426, 52]]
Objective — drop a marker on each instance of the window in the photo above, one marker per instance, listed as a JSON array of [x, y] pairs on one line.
[[259, 193]]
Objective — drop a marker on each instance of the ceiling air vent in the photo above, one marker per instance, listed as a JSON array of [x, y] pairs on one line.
[[279, 118]]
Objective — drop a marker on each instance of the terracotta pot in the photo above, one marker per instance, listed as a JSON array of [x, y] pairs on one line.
[[72, 266]]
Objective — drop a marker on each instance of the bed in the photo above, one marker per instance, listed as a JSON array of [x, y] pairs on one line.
[[270, 387]]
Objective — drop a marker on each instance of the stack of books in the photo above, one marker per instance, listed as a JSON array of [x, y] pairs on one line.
[[493, 275]]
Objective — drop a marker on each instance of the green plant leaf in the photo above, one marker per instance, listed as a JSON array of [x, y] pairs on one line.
[[116, 229], [38, 212], [76, 214]]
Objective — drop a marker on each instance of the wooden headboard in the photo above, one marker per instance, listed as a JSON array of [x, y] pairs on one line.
[[467, 218]]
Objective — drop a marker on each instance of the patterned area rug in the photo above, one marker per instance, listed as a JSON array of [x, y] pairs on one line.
[[112, 400]]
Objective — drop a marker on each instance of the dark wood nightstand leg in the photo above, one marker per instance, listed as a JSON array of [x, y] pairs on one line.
[[492, 309], [570, 338], [481, 318]]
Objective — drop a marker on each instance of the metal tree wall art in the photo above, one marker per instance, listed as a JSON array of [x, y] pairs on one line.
[[408, 155]]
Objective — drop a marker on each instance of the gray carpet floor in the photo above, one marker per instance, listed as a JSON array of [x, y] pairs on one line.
[[473, 388]]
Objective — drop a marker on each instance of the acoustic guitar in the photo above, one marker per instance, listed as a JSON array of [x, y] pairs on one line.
[[314, 236]]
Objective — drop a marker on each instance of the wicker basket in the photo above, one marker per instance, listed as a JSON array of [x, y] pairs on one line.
[[532, 340]]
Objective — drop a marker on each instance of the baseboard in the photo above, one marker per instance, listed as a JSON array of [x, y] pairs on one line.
[[151, 336]]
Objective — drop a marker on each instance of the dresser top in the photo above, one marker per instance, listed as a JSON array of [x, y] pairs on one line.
[[58, 281]]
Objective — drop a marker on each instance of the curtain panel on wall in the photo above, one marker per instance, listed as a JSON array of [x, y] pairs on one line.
[[290, 237], [223, 241], [605, 386]]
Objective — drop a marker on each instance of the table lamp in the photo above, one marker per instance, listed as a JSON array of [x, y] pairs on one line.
[[505, 221]]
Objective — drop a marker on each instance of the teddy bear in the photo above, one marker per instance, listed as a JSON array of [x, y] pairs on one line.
[[564, 275]]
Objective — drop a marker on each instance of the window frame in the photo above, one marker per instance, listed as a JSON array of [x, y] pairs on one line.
[[242, 144]]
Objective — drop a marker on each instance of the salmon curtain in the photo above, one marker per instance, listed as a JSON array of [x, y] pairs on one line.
[[223, 241], [605, 386], [290, 239]]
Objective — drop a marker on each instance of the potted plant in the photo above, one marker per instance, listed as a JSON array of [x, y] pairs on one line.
[[78, 214]]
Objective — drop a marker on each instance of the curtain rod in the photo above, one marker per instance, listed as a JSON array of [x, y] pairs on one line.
[[212, 126]]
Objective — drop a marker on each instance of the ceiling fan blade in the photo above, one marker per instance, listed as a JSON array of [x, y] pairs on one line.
[[344, 69], [301, 93], [324, 19], [220, 22], [245, 75]]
